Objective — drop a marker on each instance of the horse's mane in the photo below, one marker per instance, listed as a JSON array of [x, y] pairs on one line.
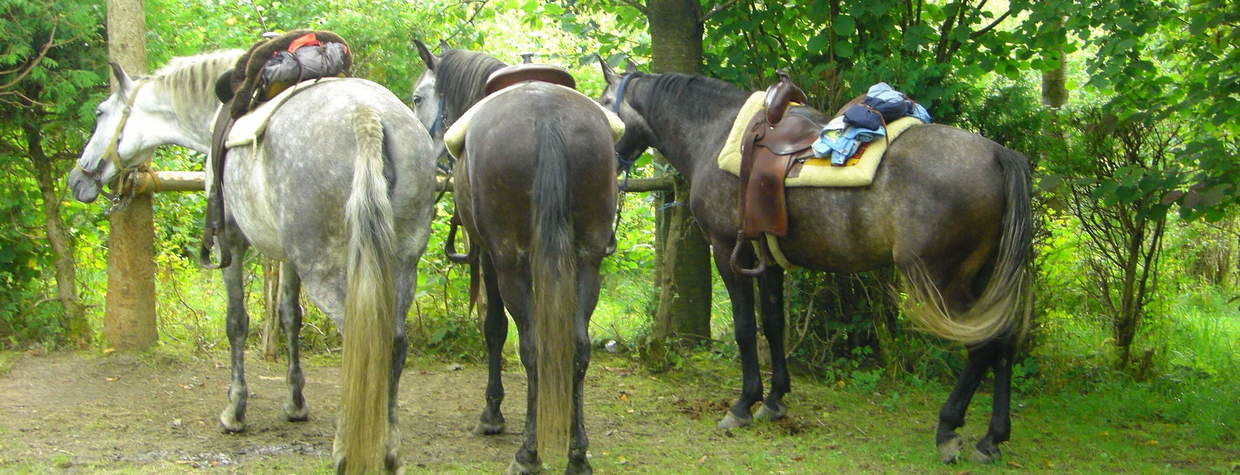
[[460, 76], [190, 81], [694, 96]]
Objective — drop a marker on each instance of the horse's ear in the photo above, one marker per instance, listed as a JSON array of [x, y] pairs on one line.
[[443, 46], [427, 58], [123, 82], [609, 74], [629, 66]]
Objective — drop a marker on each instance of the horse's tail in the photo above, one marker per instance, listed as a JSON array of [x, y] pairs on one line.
[[369, 304], [554, 266], [1003, 308]]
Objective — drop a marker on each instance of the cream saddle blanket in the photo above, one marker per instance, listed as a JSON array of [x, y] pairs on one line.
[[454, 138]]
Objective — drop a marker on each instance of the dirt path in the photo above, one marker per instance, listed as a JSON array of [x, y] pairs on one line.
[[157, 413]]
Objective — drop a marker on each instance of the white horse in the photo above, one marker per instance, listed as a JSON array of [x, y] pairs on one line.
[[340, 189]]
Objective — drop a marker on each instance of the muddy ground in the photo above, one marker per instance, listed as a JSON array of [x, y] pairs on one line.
[[157, 413]]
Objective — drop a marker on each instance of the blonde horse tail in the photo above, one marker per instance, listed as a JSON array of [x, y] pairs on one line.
[[1003, 309], [369, 328], [554, 272]]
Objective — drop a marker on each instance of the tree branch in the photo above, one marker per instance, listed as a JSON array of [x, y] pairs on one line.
[[717, 8], [991, 26], [51, 40], [638, 6]]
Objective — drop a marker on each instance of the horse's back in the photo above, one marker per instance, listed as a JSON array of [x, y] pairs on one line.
[[290, 201], [503, 147]]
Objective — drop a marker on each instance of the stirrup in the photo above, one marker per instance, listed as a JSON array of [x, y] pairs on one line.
[[204, 252], [734, 261], [449, 245]]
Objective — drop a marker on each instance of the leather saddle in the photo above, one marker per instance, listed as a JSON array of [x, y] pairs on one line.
[[773, 142], [509, 75]]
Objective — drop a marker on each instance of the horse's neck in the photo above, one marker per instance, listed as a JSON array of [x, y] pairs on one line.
[[687, 139], [188, 127]]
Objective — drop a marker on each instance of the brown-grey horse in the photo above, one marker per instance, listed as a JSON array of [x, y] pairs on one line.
[[536, 192], [340, 190], [948, 207]]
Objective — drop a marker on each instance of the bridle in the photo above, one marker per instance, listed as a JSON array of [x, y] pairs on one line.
[[625, 163], [112, 154], [440, 117]]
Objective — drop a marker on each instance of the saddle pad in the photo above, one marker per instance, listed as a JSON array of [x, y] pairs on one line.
[[815, 171], [249, 129], [454, 138]]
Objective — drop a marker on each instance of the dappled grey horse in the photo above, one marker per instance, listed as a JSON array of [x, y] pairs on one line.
[[948, 207], [340, 190], [536, 193]]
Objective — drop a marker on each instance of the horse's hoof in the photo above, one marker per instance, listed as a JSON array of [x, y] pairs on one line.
[[984, 452], [229, 424], [766, 413], [488, 428], [950, 450], [730, 421], [518, 468], [296, 414], [581, 467]]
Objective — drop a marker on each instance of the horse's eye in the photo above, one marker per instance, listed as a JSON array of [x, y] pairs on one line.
[[417, 100], [98, 112]]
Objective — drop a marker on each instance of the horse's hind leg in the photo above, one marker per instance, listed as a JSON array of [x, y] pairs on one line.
[[515, 287], [587, 296], [400, 349], [951, 416], [232, 419], [771, 294], [1000, 417], [295, 409], [495, 328]]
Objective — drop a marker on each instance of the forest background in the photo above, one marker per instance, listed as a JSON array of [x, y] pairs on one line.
[[1126, 109]]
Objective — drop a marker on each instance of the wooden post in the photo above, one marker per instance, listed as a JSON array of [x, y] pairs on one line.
[[129, 312]]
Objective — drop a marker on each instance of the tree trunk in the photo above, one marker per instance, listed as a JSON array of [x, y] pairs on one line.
[[1054, 82], [77, 329], [683, 259], [129, 315]]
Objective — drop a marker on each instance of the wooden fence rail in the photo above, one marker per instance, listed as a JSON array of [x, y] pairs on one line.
[[161, 181]]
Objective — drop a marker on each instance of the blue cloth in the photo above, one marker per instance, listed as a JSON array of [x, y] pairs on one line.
[[864, 122], [841, 145]]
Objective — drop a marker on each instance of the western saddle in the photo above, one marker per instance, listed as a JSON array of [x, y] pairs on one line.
[[773, 143]]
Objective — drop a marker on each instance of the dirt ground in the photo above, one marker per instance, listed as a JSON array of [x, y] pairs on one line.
[[157, 413], [124, 411]]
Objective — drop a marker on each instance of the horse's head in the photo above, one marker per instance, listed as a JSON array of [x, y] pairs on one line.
[[428, 103], [119, 141], [616, 97]]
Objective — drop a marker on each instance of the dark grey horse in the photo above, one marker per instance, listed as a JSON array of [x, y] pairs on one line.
[[948, 207], [536, 192], [340, 190]]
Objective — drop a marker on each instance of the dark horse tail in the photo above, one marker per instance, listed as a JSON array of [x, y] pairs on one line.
[[554, 266], [1003, 307], [369, 305]]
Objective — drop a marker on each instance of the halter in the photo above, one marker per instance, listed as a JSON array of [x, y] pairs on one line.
[[627, 164], [439, 117], [615, 107], [114, 141]]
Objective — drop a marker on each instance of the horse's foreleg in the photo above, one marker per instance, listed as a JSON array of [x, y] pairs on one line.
[[951, 416], [495, 329], [295, 409], [740, 291], [587, 298], [1000, 417], [232, 419], [771, 296]]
